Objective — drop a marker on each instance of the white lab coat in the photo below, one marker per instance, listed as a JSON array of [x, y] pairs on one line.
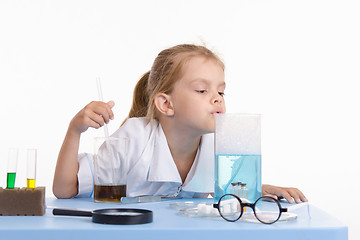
[[151, 168]]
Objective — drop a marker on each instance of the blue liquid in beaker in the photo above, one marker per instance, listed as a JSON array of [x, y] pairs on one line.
[[238, 168]]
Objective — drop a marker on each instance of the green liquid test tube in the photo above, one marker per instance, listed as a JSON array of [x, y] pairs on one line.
[[11, 180], [12, 164]]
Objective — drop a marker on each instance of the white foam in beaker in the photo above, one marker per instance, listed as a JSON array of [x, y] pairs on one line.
[[237, 134]]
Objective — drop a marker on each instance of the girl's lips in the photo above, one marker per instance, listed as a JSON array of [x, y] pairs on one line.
[[215, 112]]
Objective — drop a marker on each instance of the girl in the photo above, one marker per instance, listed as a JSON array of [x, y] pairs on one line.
[[170, 127]]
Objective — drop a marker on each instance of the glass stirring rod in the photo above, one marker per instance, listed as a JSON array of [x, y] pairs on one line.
[[98, 83], [12, 165], [31, 168]]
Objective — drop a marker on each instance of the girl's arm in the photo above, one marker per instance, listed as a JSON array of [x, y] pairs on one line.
[[65, 183], [95, 115]]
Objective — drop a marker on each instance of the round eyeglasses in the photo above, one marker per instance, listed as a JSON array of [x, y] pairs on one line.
[[267, 209]]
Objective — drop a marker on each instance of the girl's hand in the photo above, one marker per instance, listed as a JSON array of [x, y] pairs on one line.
[[94, 115], [290, 194]]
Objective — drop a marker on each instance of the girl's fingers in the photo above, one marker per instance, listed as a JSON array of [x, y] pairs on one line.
[[95, 120], [93, 124], [271, 195], [104, 110], [286, 195], [290, 194], [303, 198], [297, 195], [110, 105], [94, 115]]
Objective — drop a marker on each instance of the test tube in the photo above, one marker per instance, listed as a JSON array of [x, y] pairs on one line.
[[11, 167], [31, 168]]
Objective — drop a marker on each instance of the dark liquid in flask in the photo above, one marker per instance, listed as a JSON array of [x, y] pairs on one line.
[[109, 193]]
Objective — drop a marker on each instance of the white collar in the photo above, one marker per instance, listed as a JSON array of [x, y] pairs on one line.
[[162, 166], [201, 174], [163, 169]]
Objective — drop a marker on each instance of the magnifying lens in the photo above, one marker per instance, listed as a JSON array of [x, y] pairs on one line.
[[120, 216]]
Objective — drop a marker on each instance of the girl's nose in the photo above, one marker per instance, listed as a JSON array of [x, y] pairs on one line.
[[217, 99]]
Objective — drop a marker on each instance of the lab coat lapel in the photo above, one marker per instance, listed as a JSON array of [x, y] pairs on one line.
[[162, 166], [201, 175]]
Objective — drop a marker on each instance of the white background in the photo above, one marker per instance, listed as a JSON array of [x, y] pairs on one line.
[[294, 62]]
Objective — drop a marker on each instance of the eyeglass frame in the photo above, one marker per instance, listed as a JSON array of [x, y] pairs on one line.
[[252, 206]]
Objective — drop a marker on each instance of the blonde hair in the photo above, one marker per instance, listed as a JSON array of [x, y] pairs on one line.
[[165, 71]]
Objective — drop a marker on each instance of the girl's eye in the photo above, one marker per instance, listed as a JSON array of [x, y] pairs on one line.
[[221, 94], [201, 91]]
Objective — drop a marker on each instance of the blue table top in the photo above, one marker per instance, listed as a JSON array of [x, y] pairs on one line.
[[167, 223]]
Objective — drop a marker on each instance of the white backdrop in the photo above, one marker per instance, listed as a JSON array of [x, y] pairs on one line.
[[294, 62]]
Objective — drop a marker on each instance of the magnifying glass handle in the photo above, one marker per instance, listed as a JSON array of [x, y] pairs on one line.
[[68, 212]]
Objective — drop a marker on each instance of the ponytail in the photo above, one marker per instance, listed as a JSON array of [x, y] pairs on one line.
[[140, 102]]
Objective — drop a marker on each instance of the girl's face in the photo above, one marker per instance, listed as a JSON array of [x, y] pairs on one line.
[[198, 95]]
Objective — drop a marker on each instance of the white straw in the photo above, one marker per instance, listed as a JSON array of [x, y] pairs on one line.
[[98, 82]]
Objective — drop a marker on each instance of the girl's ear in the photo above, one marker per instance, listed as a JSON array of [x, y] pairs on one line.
[[163, 104]]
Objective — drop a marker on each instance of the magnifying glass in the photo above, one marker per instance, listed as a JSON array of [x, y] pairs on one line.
[[120, 216]]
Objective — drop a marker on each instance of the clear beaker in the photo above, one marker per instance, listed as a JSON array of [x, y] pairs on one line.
[[110, 169], [237, 153]]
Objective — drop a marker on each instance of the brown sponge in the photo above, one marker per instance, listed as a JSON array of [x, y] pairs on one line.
[[22, 201]]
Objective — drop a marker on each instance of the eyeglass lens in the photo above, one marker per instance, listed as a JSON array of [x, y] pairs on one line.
[[267, 209], [229, 208]]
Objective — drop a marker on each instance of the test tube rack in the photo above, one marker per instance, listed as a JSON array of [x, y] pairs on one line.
[[22, 201]]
